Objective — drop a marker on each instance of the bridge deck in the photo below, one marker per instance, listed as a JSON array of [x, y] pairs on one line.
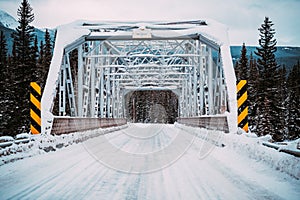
[[84, 171]]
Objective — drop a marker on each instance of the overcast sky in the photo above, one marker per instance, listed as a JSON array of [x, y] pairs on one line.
[[242, 17]]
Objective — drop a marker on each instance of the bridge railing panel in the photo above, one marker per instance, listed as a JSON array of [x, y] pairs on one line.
[[210, 122], [64, 125]]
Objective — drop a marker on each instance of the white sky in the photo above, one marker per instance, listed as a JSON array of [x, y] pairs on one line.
[[243, 17]]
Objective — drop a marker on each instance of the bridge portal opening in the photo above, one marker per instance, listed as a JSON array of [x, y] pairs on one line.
[[152, 106]]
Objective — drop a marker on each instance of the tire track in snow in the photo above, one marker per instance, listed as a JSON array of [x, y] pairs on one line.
[[248, 186], [39, 185]]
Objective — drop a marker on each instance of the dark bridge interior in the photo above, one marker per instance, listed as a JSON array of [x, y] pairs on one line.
[[152, 106]]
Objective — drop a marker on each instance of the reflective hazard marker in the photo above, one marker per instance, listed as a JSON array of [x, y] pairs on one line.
[[242, 102], [35, 108]]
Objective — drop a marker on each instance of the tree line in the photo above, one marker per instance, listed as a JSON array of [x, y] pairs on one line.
[[28, 61], [273, 93]]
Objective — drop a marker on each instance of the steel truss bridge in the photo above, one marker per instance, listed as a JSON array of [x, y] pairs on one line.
[[113, 59]]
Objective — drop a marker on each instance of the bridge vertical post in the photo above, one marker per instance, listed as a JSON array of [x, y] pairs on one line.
[[185, 99], [80, 81], [217, 87], [189, 94], [201, 78], [119, 100], [62, 89], [198, 77], [108, 94], [113, 93], [195, 103], [210, 82], [69, 86], [222, 88], [192, 92], [182, 101], [116, 103], [93, 83], [101, 96]]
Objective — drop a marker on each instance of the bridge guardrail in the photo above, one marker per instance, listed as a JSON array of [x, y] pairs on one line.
[[210, 122], [64, 125]]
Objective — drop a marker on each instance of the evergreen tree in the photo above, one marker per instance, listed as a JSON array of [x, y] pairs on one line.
[[46, 58], [35, 50], [13, 55], [3, 50], [24, 66], [3, 84], [7, 94], [237, 70], [41, 53], [269, 109], [252, 93], [47, 49], [40, 64], [24, 36], [242, 65], [34, 60], [280, 110], [293, 84]]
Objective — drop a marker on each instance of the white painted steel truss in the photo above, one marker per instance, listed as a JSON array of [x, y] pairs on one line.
[[109, 69], [190, 58]]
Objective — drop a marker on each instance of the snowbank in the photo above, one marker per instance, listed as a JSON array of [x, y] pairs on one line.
[[40, 144], [251, 146]]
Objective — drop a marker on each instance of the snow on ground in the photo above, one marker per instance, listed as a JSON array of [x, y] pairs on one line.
[[249, 145], [44, 143], [201, 164]]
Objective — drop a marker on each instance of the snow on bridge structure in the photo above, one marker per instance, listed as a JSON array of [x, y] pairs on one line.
[[190, 58]]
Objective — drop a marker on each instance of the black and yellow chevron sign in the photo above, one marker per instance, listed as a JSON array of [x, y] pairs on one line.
[[242, 102], [35, 108]]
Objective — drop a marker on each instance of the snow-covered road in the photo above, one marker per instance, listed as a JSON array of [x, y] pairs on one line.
[[144, 162]]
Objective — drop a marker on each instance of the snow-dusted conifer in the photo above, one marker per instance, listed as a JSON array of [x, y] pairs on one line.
[[23, 67], [293, 84], [242, 72], [252, 93], [269, 108]]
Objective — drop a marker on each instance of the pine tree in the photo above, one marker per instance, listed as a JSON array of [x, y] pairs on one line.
[[13, 54], [269, 109], [34, 60], [41, 53], [47, 49], [280, 110], [39, 64], [3, 84], [35, 50], [24, 36], [293, 84], [7, 94], [242, 65], [24, 66], [3, 49], [252, 93], [46, 59]]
